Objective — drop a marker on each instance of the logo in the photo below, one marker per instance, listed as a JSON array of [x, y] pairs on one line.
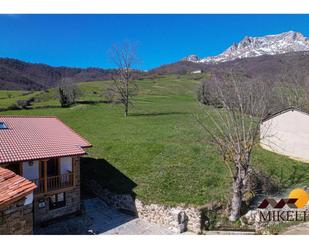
[[285, 209], [301, 196]]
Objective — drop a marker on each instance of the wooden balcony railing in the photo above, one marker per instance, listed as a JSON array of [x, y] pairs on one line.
[[54, 183]]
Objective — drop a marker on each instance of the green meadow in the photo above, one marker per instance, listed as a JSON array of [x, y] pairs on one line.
[[159, 146]]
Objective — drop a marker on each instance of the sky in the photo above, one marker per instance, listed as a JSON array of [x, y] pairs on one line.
[[84, 40]]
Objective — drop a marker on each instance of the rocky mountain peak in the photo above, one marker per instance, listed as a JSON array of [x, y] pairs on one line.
[[290, 41], [192, 58]]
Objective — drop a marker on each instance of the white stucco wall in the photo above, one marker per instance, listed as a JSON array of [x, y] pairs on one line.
[[65, 165], [29, 199], [287, 134], [31, 172]]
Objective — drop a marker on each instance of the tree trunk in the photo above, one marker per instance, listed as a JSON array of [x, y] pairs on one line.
[[237, 197], [126, 111]]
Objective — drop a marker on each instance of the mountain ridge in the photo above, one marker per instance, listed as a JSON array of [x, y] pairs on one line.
[[16, 74], [265, 67], [254, 56], [249, 46]]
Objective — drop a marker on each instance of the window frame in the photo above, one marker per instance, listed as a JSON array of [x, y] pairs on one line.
[[57, 204]]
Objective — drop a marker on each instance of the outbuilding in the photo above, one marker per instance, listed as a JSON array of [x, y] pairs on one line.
[[16, 197], [287, 133]]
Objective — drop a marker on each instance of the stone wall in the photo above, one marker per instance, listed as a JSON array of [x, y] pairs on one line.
[[72, 197], [161, 214], [16, 219], [118, 201], [44, 214], [169, 216]]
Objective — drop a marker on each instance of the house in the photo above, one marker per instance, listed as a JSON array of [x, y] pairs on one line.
[[287, 132], [197, 72], [39, 170]]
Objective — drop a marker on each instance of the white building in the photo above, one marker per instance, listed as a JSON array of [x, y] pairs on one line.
[[196, 72], [287, 133]]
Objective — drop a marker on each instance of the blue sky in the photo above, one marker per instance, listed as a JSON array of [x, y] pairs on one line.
[[84, 40]]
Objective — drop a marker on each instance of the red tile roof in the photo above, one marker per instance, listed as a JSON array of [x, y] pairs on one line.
[[30, 138], [13, 187]]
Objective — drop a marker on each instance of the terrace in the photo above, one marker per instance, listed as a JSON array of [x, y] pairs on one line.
[[48, 175]]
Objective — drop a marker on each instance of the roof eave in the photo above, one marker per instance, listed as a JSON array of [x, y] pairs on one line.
[[43, 158], [292, 108], [17, 198]]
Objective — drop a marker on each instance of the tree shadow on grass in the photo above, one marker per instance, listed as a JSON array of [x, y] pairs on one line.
[[79, 102], [92, 102], [157, 114], [106, 175]]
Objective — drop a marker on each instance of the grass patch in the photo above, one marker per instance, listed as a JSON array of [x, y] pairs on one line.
[[9, 98]]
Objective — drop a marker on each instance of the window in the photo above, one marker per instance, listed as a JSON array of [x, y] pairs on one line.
[[3, 126], [57, 201]]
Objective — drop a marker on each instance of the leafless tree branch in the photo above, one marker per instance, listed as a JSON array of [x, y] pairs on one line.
[[124, 57], [233, 125]]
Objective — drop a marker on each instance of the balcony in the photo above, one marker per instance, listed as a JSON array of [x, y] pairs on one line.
[[53, 183]]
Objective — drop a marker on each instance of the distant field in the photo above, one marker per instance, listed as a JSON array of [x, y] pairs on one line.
[[160, 147], [8, 98]]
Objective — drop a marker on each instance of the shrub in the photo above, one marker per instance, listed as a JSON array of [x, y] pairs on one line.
[[22, 104], [68, 93]]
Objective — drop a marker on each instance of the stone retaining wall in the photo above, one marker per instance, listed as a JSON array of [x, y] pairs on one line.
[[169, 216], [161, 214]]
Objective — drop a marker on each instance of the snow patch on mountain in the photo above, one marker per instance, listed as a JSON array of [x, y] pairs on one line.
[[256, 46]]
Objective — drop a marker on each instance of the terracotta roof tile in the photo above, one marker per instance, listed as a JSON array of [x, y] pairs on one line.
[[13, 187], [30, 138]]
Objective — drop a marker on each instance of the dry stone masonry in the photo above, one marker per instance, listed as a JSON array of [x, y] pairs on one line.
[[16, 219], [179, 218]]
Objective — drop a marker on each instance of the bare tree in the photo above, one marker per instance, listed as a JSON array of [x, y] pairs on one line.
[[125, 58], [234, 127], [293, 90], [68, 92], [109, 94]]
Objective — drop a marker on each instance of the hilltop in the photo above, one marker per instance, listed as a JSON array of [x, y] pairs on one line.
[[20, 75]]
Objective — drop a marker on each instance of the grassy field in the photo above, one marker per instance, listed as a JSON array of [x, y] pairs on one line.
[[8, 98], [160, 149]]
